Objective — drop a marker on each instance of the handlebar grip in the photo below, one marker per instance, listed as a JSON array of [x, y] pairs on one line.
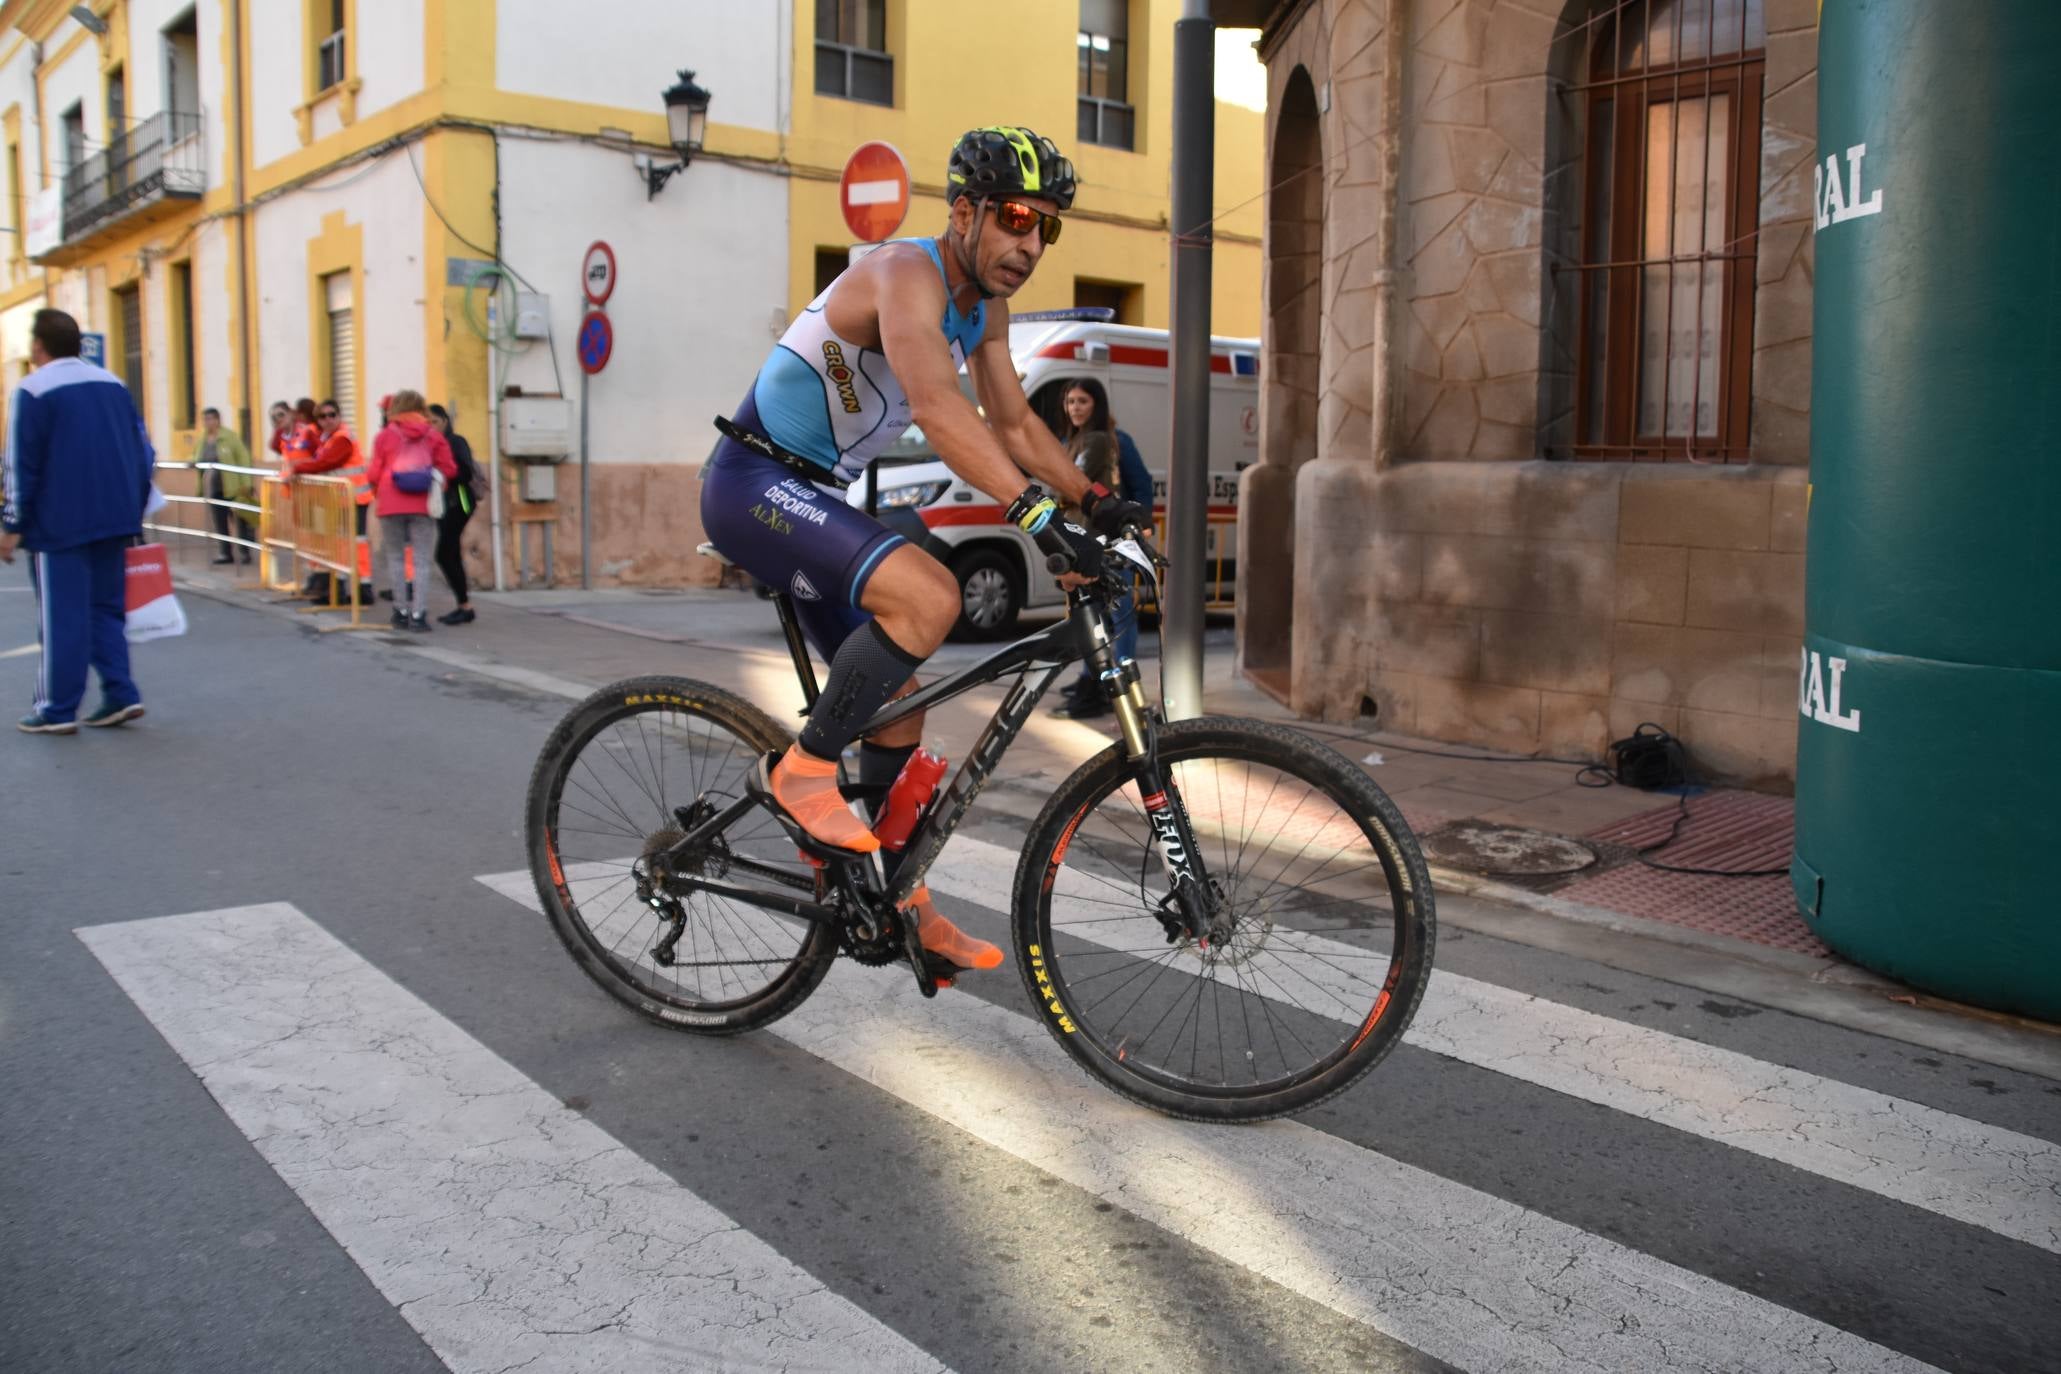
[[1058, 553]]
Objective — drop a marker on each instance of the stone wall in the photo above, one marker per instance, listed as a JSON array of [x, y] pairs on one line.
[[647, 522], [1485, 595]]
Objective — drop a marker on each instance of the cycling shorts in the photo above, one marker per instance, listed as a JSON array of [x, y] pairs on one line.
[[791, 534]]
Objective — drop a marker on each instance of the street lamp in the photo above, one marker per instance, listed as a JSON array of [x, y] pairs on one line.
[[686, 125]]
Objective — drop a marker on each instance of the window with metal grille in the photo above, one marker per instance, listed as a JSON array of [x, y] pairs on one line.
[[329, 47], [1668, 225], [180, 290], [1103, 89], [129, 310], [343, 343], [852, 60]]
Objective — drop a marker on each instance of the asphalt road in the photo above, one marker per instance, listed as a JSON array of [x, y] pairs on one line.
[[355, 1109]]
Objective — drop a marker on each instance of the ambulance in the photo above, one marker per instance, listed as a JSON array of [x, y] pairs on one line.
[[1000, 572]]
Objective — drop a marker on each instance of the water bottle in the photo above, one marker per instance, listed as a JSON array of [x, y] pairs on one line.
[[913, 788]]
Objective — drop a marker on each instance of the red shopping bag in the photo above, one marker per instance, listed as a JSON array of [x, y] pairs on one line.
[[153, 609]]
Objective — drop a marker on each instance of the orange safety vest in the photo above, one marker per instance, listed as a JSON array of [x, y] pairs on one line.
[[361, 486]]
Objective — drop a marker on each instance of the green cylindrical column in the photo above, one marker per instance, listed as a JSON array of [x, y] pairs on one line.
[[1928, 820]]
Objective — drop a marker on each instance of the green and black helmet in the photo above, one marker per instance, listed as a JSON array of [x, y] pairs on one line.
[[1006, 160]]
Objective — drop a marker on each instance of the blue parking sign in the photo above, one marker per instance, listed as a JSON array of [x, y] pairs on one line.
[[93, 348]]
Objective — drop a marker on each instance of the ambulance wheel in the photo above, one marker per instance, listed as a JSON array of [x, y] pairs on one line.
[[990, 593]]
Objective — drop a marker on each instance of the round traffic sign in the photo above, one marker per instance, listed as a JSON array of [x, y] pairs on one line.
[[597, 272], [874, 191], [597, 342]]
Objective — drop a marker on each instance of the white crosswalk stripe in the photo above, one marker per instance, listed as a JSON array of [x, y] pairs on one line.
[[1459, 1274], [1987, 1176], [445, 1173]]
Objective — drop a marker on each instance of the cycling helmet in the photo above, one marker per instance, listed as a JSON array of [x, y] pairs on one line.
[[1007, 160]]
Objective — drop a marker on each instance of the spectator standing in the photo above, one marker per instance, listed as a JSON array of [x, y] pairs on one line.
[[78, 475], [404, 454], [281, 415], [459, 503], [220, 445], [303, 437], [1109, 456]]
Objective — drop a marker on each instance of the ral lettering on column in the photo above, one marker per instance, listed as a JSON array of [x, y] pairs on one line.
[[1815, 702], [1837, 196]]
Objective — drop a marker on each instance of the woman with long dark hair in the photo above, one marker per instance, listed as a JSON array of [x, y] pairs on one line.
[[1109, 456], [459, 501]]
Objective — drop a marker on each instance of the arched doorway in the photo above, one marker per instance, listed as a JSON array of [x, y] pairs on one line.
[[1288, 390]]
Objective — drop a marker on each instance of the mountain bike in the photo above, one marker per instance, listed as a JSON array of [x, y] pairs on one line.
[[1219, 918]]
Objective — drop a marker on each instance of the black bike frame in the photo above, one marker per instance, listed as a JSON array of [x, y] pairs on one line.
[[1038, 660]]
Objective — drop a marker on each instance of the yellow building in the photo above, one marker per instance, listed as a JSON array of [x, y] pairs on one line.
[[954, 66], [258, 200]]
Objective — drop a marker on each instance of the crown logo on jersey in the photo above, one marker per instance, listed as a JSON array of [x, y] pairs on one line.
[[841, 375]]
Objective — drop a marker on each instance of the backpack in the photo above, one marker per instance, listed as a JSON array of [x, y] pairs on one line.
[[414, 472]]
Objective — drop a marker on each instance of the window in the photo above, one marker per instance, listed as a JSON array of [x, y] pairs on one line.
[[117, 131], [1669, 216], [830, 264], [328, 31], [1125, 298], [852, 60], [343, 343], [182, 65], [74, 119], [1104, 87], [128, 315], [17, 210], [184, 410]]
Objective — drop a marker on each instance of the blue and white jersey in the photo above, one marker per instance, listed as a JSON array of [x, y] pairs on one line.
[[835, 403], [78, 460]]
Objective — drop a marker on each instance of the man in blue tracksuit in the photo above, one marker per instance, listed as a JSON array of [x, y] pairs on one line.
[[77, 477]]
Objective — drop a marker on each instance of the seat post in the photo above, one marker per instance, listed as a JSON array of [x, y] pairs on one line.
[[798, 649]]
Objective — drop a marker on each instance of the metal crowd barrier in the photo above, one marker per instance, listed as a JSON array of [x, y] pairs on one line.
[[302, 525], [1220, 565]]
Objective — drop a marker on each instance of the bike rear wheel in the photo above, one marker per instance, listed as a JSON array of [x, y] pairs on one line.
[[1332, 925], [622, 778]]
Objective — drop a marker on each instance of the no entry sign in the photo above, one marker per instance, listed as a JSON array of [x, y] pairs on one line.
[[597, 342], [874, 191]]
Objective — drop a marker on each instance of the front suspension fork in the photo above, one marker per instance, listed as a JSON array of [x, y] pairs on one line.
[[1193, 908]]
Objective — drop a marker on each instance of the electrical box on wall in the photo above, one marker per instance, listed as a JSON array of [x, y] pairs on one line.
[[539, 482], [532, 315], [536, 427]]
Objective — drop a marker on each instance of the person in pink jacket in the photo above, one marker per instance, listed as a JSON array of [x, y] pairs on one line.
[[410, 461]]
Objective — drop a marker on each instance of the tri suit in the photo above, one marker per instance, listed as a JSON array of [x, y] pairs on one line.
[[831, 407]]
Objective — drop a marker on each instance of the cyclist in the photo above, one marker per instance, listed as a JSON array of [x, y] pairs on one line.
[[880, 349]]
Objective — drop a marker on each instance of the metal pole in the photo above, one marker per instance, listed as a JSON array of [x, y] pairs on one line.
[[586, 510], [1188, 466]]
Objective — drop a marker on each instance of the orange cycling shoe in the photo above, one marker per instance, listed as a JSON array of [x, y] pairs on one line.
[[940, 937], [805, 787]]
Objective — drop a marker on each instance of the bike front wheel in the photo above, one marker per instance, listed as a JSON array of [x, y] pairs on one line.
[[1331, 925]]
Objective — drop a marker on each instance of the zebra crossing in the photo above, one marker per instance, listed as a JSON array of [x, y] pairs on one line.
[[509, 1230]]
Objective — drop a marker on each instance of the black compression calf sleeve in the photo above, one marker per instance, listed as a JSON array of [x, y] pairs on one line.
[[879, 766], [865, 673]]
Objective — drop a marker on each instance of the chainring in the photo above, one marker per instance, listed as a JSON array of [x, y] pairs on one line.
[[883, 946]]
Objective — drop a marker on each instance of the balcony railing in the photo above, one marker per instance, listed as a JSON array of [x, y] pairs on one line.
[[152, 160]]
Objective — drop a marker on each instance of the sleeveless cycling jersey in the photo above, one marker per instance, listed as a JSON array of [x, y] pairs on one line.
[[835, 403]]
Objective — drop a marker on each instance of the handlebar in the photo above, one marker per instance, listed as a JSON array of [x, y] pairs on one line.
[[1058, 553]]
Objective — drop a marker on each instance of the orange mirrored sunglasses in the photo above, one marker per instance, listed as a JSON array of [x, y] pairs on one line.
[[1020, 218]]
